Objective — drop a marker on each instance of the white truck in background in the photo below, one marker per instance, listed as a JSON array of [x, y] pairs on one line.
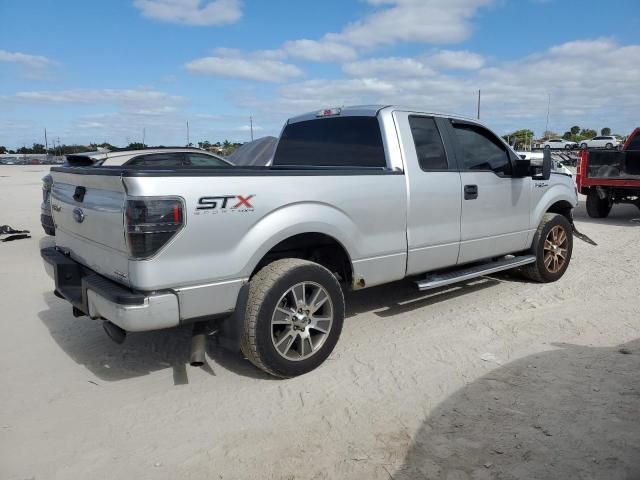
[[355, 197]]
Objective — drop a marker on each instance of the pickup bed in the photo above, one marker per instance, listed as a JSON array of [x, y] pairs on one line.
[[355, 197], [610, 176]]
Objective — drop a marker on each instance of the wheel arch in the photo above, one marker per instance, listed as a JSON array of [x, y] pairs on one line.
[[308, 230], [314, 246]]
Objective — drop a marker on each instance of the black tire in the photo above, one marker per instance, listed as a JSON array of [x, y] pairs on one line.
[[266, 291], [583, 146], [567, 147], [547, 147], [539, 271], [609, 145], [597, 207]]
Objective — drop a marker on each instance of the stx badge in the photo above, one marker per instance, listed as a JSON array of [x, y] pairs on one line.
[[224, 204]]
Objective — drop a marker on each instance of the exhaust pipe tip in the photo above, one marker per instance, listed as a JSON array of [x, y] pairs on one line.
[[198, 344], [114, 332]]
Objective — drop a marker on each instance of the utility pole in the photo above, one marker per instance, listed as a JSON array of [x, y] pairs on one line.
[[546, 127], [251, 122], [188, 133], [46, 143], [143, 135], [478, 104]]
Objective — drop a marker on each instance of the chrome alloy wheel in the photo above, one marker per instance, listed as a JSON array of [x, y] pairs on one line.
[[555, 249], [301, 321]]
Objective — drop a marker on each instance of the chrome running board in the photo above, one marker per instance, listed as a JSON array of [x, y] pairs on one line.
[[436, 280]]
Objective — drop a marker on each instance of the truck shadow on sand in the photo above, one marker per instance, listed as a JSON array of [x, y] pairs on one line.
[[143, 353], [573, 412]]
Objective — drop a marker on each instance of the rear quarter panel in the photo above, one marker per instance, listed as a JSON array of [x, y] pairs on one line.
[[365, 213]]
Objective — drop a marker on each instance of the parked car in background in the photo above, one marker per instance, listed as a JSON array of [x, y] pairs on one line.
[[603, 141], [537, 158], [153, 157], [559, 143]]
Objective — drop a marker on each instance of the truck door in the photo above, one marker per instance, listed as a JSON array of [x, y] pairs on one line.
[[495, 205], [433, 186]]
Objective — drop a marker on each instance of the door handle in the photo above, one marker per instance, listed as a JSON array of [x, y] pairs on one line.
[[470, 192]]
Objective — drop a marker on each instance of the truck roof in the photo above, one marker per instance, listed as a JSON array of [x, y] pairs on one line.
[[372, 111]]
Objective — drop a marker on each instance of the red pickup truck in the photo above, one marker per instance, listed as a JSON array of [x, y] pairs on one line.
[[610, 176]]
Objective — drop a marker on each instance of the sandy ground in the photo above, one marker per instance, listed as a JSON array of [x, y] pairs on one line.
[[498, 378]]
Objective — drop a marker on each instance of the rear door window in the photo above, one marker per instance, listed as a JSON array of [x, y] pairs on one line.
[[428, 143], [481, 150], [332, 142]]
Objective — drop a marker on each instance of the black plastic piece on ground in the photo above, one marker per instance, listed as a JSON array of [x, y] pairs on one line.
[[20, 236], [6, 229], [114, 332]]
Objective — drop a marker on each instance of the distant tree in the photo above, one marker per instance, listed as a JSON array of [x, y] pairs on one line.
[[575, 130], [519, 138], [3, 149], [135, 146], [206, 145], [567, 136], [587, 133], [605, 131], [12, 151]]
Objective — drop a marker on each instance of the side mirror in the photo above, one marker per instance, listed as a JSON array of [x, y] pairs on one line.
[[522, 167]]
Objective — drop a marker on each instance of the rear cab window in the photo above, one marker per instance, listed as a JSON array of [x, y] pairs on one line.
[[350, 141], [168, 160], [202, 160]]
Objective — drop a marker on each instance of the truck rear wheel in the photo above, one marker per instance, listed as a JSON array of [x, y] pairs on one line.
[[596, 206], [294, 316], [552, 246]]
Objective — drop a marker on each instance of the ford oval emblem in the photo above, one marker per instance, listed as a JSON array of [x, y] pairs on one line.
[[78, 215]]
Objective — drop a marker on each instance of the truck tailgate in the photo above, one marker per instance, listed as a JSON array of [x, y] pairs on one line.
[[88, 211]]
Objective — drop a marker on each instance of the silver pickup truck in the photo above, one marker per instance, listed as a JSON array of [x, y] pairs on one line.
[[354, 197]]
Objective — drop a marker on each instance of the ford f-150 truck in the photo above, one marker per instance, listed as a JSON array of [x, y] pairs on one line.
[[354, 197]]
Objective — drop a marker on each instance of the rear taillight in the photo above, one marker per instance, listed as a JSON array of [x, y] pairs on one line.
[[151, 223]]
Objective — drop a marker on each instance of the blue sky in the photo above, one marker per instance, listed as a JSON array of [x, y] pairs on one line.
[[104, 70]]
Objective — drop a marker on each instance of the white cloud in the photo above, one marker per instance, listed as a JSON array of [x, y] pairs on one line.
[[33, 66], [387, 67], [319, 51], [128, 99], [455, 60], [247, 67], [591, 82], [192, 12], [427, 21], [30, 61]]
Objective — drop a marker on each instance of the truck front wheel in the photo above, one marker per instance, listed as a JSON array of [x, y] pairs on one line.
[[552, 246], [293, 319], [596, 206]]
